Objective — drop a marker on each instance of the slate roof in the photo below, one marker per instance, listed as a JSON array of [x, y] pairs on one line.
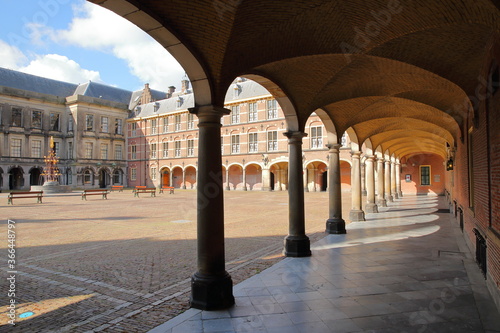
[[99, 90], [246, 89], [23, 81]]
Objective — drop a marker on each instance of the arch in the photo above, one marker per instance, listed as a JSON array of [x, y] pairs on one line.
[[235, 176], [165, 176], [16, 178], [190, 176], [313, 178], [117, 177], [104, 177], [279, 175], [253, 171], [177, 180], [36, 176]]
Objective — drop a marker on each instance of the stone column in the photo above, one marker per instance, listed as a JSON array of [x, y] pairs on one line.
[[398, 180], [387, 183], [278, 181], [171, 178], [363, 179], [306, 179], [184, 179], [297, 244], [244, 179], [211, 285], [26, 179], [356, 213], [380, 183], [315, 179], [227, 178], [5, 180], [371, 206], [335, 223], [266, 180], [394, 192]]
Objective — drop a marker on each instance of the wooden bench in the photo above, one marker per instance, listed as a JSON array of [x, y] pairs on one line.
[[144, 189], [18, 195], [118, 188], [169, 188], [104, 192]]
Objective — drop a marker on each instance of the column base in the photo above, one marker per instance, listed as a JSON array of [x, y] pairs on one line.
[[335, 226], [389, 198], [382, 203], [297, 246], [245, 188], [396, 195], [211, 292], [357, 215], [400, 194], [267, 189], [228, 188], [371, 208], [183, 187], [306, 189]]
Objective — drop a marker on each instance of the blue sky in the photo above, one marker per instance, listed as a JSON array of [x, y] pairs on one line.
[[76, 41]]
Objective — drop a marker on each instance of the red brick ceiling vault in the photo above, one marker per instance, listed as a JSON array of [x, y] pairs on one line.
[[397, 72]]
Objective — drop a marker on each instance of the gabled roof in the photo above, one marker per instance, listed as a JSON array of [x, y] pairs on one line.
[[136, 96], [23, 81]]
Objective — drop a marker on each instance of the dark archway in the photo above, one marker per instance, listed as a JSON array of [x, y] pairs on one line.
[[272, 181], [36, 176], [324, 181], [16, 179], [103, 178]]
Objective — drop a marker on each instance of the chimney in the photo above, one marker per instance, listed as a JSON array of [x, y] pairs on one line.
[[171, 91]]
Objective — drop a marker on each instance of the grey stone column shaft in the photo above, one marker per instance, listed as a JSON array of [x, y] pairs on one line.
[[394, 191], [335, 223], [211, 285], [371, 205], [398, 179], [171, 178], [356, 213], [184, 179], [227, 178], [380, 183], [387, 181], [297, 244], [244, 179], [306, 179]]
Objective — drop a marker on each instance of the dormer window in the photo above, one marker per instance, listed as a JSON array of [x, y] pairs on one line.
[[179, 102], [156, 106], [236, 91]]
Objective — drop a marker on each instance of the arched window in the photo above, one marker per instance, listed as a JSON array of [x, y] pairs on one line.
[[87, 177]]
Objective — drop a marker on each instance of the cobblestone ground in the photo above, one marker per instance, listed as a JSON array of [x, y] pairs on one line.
[[124, 264]]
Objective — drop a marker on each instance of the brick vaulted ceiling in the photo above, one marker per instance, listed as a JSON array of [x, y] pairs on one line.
[[397, 72]]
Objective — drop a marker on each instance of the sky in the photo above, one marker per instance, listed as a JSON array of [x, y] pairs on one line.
[[76, 41]]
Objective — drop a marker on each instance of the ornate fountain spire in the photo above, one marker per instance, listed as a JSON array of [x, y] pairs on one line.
[[51, 171]]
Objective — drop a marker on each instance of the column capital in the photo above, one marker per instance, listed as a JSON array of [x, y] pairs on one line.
[[295, 136], [356, 154], [334, 147], [370, 158], [209, 113]]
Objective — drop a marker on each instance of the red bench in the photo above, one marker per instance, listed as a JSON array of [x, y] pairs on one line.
[[102, 192], [18, 195]]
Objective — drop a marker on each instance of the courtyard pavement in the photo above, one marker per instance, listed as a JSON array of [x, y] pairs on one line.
[[406, 269]]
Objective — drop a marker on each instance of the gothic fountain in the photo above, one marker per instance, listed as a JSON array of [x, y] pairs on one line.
[[51, 174]]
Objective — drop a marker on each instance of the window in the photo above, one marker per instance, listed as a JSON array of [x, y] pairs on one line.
[[153, 126], [87, 176], [118, 152], [316, 137], [133, 173], [17, 117], [425, 175], [235, 144], [252, 112], [190, 147], [165, 149], [70, 150], [54, 122], [272, 140], [153, 173], [15, 148], [272, 109], [89, 122], [235, 114], [253, 145], [104, 151], [36, 149], [177, 148], [56, 148], [36, 119], [165, 125], [179, 102], [70, 123], [134, 152], [89, 146], [133, 128], [104, 124], [117, 177], [177, 122], [153, 150], [118, 126], [190, 124]]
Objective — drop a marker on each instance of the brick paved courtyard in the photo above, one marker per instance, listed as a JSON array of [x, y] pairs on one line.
[[124, 264]]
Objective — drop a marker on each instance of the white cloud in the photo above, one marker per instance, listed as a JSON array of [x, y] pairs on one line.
[[60, 68], [100, 29], [51, 66], [10, 56]]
